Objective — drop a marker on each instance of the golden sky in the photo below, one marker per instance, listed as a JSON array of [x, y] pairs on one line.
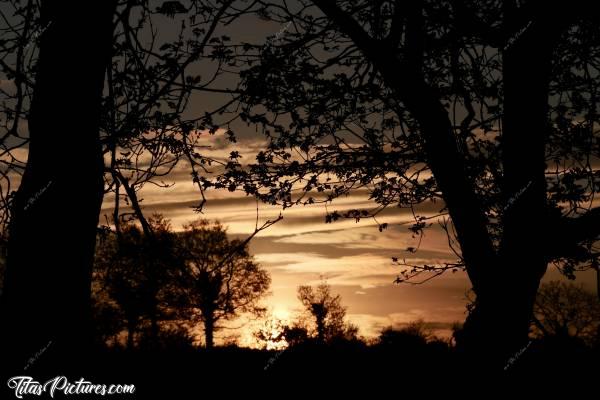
[[355, 258]]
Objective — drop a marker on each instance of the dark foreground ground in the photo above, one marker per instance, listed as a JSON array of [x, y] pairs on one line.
[[316, 372]]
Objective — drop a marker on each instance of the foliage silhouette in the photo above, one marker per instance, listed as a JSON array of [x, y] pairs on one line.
[[414, 335], [144, 284], [446, 103], [485, 109], [326, 312], [224, 281], [566, 310]]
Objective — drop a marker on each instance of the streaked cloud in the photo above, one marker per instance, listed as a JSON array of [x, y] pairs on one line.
[[355, 258]]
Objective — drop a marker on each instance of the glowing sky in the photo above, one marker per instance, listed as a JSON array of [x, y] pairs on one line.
[[355, 258]]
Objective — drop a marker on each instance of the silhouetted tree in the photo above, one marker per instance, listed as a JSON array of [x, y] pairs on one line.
[[48, 275], [326, 311], [143, 277], [224, 279], [478, 104], [414, 335], [103, 86], [565, 310], [295, 333]]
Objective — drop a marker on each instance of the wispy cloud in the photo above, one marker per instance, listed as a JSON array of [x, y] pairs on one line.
[[355, 258]]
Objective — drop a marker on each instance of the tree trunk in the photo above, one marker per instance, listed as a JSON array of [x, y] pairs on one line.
[[503, 312], [209, 331], [508, 305], [498, 315], [505, 283], [320, 330], [55, 216]]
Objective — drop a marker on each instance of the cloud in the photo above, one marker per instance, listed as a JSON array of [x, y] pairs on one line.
[[396, 238], [355, 258]]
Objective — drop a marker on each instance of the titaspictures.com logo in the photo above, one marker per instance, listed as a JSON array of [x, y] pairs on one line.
[[26, 385]]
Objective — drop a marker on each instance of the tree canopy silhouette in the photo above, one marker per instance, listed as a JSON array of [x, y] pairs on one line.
[[485, 108], [224, 281], [145, 284], [565, 310], [326, 312]]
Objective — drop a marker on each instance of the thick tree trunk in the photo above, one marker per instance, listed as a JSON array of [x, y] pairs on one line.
[[53, 230], [504, 311]]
